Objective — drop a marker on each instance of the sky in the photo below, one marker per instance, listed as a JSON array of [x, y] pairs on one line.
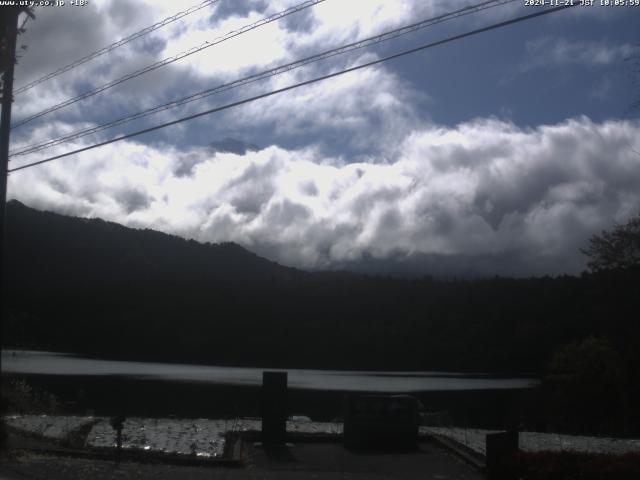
[[498, 154]]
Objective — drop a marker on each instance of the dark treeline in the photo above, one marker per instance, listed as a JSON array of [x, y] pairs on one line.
[[97, 288]]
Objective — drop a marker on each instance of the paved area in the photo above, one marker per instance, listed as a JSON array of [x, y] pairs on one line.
[[321, 461], [332, 461], [35, 438], [206, 437], [537, 442], [202, 437]]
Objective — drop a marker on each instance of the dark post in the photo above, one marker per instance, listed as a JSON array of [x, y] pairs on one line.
[[9, 29], [274, 408], [117, 423]]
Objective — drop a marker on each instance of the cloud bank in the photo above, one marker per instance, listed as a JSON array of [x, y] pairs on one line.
[[485, 197], [354, 172]]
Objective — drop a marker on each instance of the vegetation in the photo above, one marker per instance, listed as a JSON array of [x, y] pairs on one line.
[[21, 397], [98, 288], [617, 249], [588, 387]]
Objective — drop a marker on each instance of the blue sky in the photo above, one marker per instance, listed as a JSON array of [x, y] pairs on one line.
[[497, 154]]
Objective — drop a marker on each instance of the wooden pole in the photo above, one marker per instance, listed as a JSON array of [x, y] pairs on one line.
[[10, 32]]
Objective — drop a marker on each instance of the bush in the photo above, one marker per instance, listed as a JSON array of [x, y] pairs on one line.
[[587, 388], [22, 398]]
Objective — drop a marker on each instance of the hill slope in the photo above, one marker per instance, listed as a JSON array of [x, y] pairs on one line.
[[93, 250]]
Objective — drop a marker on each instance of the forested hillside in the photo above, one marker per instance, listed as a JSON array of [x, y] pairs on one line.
[[98, 288]]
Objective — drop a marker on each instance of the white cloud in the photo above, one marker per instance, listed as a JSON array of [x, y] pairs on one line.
[[253, 49], [329, 24], [370, 108], [521, 200], [551, 51], [485, 189]]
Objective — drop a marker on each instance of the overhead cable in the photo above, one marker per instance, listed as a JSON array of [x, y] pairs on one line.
[[297, 85], [115, 45], [169, 60], [367, 42]]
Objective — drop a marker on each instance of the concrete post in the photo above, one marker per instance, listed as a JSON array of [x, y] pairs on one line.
[[274, 408], [500, 449]]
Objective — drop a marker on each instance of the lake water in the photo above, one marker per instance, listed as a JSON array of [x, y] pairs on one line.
[[50, 363]]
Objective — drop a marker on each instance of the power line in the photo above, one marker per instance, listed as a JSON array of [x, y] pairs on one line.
[[367, 42], [307, 82], [169, 60], [115, 45], [269, 73]]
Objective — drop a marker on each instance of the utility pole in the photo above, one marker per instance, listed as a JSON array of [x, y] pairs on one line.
[[9, 26], [10, 33]]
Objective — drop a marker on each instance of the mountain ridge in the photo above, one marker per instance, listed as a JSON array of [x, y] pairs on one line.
[[87, 232]]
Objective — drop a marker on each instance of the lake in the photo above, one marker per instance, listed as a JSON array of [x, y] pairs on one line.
[[23, 362]]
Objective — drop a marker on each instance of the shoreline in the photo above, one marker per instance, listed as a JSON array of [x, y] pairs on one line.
[[112, 395], [9, 351]]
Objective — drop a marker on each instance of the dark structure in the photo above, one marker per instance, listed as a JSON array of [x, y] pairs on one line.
[[274, 408], [381, 422], [501, 447]]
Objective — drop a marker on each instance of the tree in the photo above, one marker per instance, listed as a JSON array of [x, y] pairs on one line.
[[617, 249], [587, 381]]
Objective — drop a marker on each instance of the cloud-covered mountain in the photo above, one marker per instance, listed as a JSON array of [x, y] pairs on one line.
[[403, 167], [484, 198]]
